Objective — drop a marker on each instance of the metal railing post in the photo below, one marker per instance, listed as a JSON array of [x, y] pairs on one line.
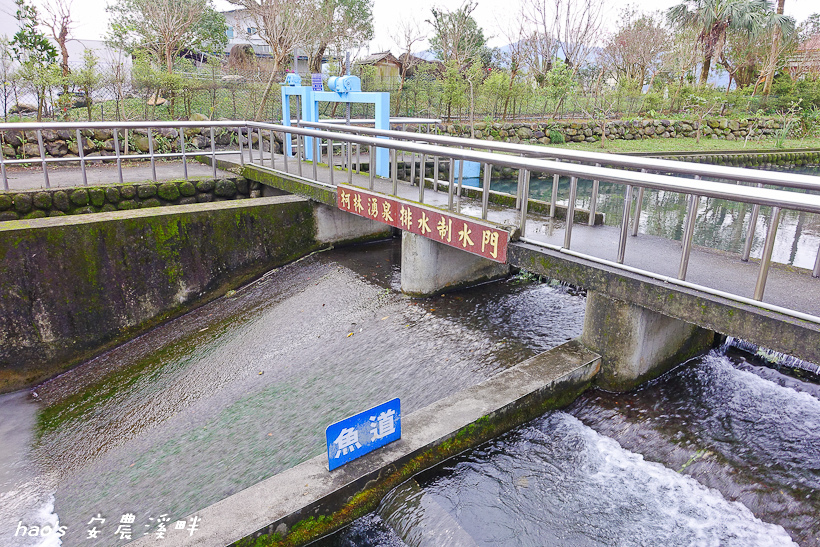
[[272, 150], [593, 200], [435, 169], [412, 168], [250, 145], [750, 231], [3, 167], [554, 198], [460, 180], [525, 203], [421, 178], [117, 154], [241, 148], [43, 158], [80, 152], [213, 152], [395, 173], [766, 259], [450, 183], [485, 191], [688, 235], [816, 271], [637, 220], [518, 185], [573, 192], [349, 152], [371, 166], [299, 155], [285, 152], [625, 224], [182, 147], [151, 153], [330, 160], [358, 159], [315, 157]]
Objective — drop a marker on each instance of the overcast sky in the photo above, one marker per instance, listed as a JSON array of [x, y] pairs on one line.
[[492, 15]]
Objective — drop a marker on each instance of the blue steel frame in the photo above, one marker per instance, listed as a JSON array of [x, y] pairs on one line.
[[310, 113]]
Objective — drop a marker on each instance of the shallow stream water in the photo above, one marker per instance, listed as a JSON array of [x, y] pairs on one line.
[[244, 387], [720, 451]]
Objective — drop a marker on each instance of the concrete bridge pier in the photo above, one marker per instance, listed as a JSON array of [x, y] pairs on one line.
[[429, 267], [637, 344]]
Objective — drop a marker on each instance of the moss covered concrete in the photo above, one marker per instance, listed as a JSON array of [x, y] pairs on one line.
[[70, 287], [308, 501]]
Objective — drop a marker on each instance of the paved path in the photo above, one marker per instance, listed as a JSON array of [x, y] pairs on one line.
[[103, 173]]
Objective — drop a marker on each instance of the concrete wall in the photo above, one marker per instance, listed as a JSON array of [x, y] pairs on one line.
[[429, 267], [637, 344], [73, 286]]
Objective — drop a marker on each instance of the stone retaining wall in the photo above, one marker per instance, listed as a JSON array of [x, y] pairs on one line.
[[99, 143], [590, 131], [31, 204]]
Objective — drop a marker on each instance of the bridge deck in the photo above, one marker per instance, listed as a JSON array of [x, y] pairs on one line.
[[787, 286]]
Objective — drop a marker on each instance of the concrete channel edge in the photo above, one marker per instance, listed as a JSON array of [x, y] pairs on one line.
[[307, 501]]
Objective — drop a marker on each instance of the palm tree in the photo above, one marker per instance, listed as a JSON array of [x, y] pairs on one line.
[[713, 19], [767, 87]]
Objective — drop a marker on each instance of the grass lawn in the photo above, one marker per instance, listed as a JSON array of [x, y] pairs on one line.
[[689, 145]]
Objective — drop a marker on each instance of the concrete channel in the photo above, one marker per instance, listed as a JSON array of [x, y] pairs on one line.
[[307, 502]]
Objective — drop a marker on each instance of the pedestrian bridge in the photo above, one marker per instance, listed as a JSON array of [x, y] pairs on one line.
[[651, 300], [637, 284]]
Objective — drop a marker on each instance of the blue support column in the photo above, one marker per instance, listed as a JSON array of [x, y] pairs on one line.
[[305, 93]]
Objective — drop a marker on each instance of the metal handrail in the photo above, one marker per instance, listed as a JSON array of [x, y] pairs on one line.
[[757, 196], [738, 174]]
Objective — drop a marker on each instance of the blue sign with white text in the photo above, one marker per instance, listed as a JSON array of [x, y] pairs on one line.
[[316, 82], [354, 437]]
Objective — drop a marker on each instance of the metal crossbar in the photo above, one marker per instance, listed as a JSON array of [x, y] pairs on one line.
[[526, 159]]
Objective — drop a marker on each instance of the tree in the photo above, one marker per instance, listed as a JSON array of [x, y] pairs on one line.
[[634, 51], [571, 26], [58, 21], [342, 23], [712, 19], [36, 55], [514, 58], [284, 25], [457, 37], [773, 53], [407, 34], [165, 28], [88, 78], [542, 43], [6, 75]]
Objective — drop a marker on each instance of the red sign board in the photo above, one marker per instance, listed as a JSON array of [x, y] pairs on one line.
[[479, 238]]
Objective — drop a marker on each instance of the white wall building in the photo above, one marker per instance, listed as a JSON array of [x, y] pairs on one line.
[[242, 30]]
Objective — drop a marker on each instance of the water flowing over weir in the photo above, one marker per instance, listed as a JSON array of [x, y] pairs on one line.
[[243, 388], [719, 451]]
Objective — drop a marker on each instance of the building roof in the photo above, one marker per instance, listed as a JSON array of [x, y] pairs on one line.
[[374, 58], [812, 44]]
